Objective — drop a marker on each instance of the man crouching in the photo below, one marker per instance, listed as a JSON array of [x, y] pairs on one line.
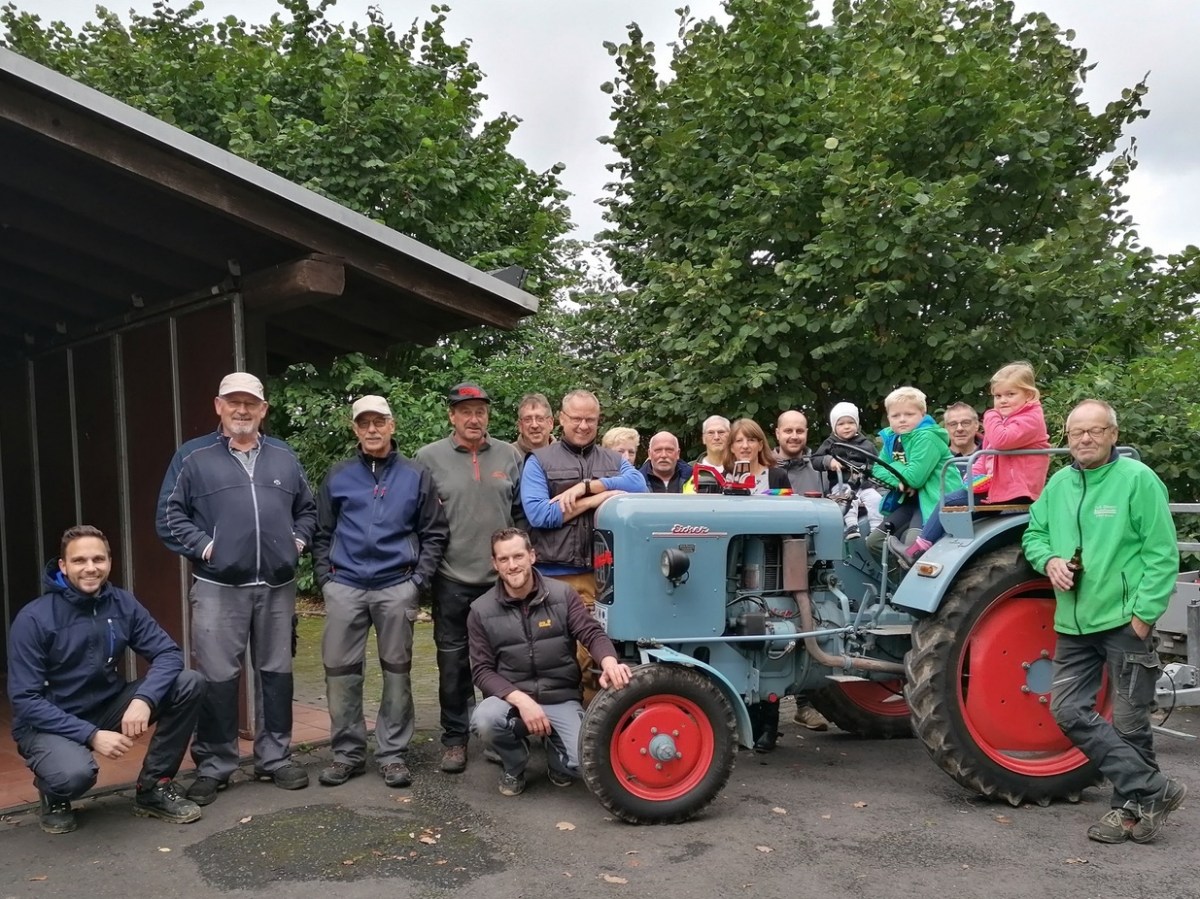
[[522, 636], [70, 698]]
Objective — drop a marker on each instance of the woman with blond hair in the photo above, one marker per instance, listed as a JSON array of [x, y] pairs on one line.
[[624, 441]]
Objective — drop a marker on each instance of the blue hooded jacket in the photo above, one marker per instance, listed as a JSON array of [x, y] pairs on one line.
[[67, 654]]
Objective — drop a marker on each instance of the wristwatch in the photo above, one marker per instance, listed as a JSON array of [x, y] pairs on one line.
[[587, 486]]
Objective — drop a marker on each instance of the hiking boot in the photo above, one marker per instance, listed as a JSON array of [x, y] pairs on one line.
[[340, 772], [1114, 827], [512, 784], [558, 778], [203, 790], [454, 759], [166, 801], [288, 776], [1153, 815], [57, 815], [899, 553], [396, 774], [807, 716]]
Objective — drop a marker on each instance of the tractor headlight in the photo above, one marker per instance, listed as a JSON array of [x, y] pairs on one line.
[[674, 565]]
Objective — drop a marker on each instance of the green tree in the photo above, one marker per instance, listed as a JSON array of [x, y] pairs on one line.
[[913, 193], [385, 122]]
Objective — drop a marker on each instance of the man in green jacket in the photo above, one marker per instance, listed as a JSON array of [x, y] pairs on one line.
[[1102, 533]]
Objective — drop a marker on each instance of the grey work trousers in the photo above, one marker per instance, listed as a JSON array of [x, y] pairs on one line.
[[1124, 749], [349, 614], [498, 725], [224, 620]]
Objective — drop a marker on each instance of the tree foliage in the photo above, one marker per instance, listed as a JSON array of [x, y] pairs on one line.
[[913, 193], [384, 121]]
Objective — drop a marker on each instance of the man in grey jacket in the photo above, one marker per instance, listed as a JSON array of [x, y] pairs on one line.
[[479, 483]]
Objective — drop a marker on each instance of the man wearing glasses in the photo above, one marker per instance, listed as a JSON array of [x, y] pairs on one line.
[[962, 424], [535, 423], [1102, 533], [236, 504], [714, 433], [380, 536], [561, 487]]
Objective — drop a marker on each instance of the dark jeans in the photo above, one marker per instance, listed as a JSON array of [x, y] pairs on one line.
[[1124, 749], [451, 603], [65, 769]]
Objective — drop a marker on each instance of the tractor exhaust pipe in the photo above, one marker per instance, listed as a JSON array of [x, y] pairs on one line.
[[795, 581]]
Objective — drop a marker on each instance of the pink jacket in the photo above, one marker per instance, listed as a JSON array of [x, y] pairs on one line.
[[1016, 476]]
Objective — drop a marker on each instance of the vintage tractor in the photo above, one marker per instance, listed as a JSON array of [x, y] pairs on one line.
[[727, 602]]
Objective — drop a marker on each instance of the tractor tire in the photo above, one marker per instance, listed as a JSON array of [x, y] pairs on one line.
[[661, 749], [872, 709], [979, 675]]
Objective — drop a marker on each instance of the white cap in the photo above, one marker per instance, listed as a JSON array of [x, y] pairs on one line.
[[370, 403], [843, 410], [241, 382]]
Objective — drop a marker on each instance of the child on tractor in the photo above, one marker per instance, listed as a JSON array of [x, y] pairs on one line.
[[844, 424], [1015, 422]]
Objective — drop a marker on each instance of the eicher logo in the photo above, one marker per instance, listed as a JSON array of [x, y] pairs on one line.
[[689, 530]]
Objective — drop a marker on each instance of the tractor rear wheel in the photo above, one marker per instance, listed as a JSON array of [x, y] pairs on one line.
[[873, 709], [979, 676], [659, 750]]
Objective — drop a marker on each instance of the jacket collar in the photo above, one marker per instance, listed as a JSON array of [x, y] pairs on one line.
[[536, 595], [367, 460]]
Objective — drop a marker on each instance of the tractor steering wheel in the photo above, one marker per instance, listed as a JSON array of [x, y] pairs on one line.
[[846, 453]]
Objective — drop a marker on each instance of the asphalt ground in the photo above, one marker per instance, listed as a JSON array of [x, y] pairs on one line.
[[825, 814]]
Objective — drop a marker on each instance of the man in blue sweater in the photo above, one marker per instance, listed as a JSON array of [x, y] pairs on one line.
[[69, 696]]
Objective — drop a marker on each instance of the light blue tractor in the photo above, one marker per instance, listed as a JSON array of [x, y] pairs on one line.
[[727, 603]]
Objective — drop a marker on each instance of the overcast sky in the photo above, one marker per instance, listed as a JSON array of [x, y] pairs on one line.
[[545, 62]]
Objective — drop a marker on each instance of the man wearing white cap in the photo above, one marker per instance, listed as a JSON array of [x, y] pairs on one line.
[[380, 536], [236, 504]]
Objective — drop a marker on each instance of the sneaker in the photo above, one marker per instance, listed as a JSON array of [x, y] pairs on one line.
[[57, 815], [807, 716], [512, 784], [166, 801], [340, 772], [556, 777], [203, 790], [852, 533], [396, 774], [899, 553], [491, 755], [454, 759], [1153, 815], [1114, 827], [288, 776]]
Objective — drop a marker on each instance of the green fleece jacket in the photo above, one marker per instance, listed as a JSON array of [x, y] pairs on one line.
[[1118, 514], [926, 450]]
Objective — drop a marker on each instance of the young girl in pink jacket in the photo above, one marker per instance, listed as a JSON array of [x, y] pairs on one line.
[[1015, 422]]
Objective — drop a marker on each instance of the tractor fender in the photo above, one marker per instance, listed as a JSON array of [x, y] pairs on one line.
[[665, 656], [923, 595]]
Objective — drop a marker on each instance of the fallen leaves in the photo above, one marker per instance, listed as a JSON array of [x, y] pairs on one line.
[[565, 825], [37, 877], [246, 820], [613, 878], [764, 848], [1077, 861], [779, 811], [164, 848], [860, 805], [1003, 819]]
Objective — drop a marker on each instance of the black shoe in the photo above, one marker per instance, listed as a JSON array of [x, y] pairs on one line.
[[1153, 815], [512, 784], [558, 778], [288, 776], [396, 774], [340, 772], [57, 815], [1114, 827], [166, 801], [203, 790]]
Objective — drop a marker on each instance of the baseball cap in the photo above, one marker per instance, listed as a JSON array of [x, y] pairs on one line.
[[460, 393], [370, 403], [241, 382]]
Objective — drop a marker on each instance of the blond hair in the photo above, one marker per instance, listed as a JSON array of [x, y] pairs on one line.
[[1019, 375], [613, 436], [905, 394]]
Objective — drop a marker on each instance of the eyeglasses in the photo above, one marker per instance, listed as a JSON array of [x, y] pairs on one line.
[[365, 424], [581, 420], [965, 423], [716, 433], [1094, 433], [534, 419], [248, 405]]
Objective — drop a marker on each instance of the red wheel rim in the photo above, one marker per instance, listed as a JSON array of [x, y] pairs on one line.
[[1004, 681], [884, 699], [672, 721]]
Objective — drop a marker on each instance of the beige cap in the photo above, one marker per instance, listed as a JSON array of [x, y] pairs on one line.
[[370, 404], [241, 382]]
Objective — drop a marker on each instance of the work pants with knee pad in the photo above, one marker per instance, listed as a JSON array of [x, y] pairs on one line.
[[451, 605], [65, 769], [349, 614], [1124, 749], [224, 621], [499, 726]]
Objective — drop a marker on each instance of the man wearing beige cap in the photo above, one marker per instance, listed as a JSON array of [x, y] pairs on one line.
[[380, 536], [236, 504]]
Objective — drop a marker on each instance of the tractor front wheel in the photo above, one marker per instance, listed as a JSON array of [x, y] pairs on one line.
[[872, 709], [979, 676], [659, 750]]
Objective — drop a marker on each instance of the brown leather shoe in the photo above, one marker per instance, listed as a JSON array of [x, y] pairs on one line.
[[454, 759]]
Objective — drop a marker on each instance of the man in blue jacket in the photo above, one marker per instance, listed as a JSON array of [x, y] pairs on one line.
[[236, 504], [380, 536], [70, 699]]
